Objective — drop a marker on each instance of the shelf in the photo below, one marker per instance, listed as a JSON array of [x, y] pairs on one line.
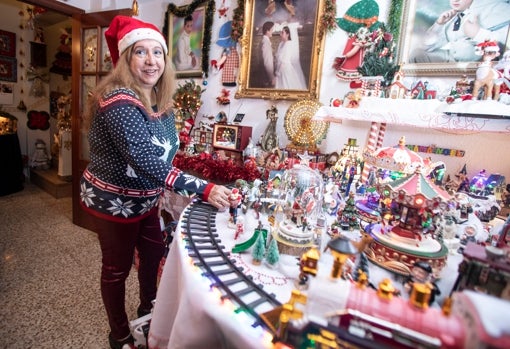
[[477, 116]]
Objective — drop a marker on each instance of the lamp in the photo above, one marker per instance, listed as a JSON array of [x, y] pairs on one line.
[[341, 248]]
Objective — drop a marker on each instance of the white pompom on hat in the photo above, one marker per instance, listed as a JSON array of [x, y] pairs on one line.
[[124, 31]]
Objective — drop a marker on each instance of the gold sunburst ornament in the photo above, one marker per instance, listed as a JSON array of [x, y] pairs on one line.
[[304, 132]]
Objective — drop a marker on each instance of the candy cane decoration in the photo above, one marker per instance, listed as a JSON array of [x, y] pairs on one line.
[[371, 142], [380, 136]]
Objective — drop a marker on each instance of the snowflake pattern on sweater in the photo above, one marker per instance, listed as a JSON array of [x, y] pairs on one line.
[[131, 153]]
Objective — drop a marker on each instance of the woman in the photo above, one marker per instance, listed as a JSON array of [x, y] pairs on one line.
[[289, 74], [133, 140]]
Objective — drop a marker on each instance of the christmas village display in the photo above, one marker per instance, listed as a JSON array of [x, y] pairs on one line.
[[353, 210], [381, 207]]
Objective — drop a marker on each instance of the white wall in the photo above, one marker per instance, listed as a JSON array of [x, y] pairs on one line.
[[10, 21], [487, 151]]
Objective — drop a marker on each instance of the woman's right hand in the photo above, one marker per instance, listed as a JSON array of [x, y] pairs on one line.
[[218, 197]]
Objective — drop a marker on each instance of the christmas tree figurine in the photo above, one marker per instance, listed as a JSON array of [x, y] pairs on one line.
[[259, 249], [348, 218], [272, 255]]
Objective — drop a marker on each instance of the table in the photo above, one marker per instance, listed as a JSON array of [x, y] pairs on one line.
[[191, 313], [479, 116]]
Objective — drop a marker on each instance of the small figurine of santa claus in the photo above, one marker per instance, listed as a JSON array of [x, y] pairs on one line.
[[234, 199]]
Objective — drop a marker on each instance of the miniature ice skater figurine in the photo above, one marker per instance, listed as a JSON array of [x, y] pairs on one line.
[[422, 273], [234, 199]]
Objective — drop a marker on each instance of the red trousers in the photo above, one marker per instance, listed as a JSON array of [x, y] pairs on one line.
[[118, 242]]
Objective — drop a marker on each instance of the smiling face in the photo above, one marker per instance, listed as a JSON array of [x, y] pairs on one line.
[[460, 5], [147, 63]]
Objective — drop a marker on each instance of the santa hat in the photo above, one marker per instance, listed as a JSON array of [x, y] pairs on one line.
[[364, 13], [124, 31], [487, 46]]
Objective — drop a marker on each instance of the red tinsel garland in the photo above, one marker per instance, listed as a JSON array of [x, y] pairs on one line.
[[205, 166]]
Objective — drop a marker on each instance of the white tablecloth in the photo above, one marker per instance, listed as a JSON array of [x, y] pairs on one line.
[[188, 314], [425, 113]]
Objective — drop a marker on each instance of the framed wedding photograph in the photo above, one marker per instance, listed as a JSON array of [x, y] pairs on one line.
[[281, 50], [434, 38], [188, 31]]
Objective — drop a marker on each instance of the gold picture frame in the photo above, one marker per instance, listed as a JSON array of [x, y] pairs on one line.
[[417, 17], [201, 12], [304, 18]]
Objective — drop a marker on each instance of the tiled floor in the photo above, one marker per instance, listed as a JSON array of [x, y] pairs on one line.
[[49, 276]]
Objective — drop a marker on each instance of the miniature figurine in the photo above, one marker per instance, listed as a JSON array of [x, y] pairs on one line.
[[239, 227], [487, 78], [40, 159], [270, 138], [422, 273], [234, 199], [253, 195]]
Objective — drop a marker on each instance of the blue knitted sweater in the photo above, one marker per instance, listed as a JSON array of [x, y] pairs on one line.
[[131, 153]]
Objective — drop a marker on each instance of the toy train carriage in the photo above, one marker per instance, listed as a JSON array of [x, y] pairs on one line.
[[355, 317]]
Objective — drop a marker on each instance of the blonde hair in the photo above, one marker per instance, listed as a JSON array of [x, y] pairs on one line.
[[122, 77]]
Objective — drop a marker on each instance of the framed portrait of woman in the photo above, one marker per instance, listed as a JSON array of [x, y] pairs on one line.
[[282, 50], [188, 30], [440, 38]]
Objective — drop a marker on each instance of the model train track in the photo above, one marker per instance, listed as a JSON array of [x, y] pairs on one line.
[[204, 247]]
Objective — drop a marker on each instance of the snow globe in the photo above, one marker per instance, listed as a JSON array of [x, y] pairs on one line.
[[301, 204]]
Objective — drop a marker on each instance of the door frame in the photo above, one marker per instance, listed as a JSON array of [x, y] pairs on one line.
[[79, 19]]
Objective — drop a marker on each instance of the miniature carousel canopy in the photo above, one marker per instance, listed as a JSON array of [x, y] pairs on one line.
[[398, 158], [418, 191]]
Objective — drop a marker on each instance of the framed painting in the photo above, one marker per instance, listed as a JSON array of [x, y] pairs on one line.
[[282, 50], [188, 30], [7, 43], [8, 69], [437, 39]]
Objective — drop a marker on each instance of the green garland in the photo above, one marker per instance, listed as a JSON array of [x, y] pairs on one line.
[[328, 21], [395, 18], [238, 21], [183, 11]]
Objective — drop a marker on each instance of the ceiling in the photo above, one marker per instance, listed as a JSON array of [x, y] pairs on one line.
[[49, 18]]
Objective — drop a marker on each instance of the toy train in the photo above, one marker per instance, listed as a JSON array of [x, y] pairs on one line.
[[348, 315]]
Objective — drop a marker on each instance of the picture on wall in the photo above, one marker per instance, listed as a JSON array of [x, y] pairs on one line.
[[8, 69], [441, 37], [6, 93], [281, 50], [7, 43], [188, 29]]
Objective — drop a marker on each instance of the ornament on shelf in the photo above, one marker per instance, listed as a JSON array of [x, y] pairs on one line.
[[488, 79]]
